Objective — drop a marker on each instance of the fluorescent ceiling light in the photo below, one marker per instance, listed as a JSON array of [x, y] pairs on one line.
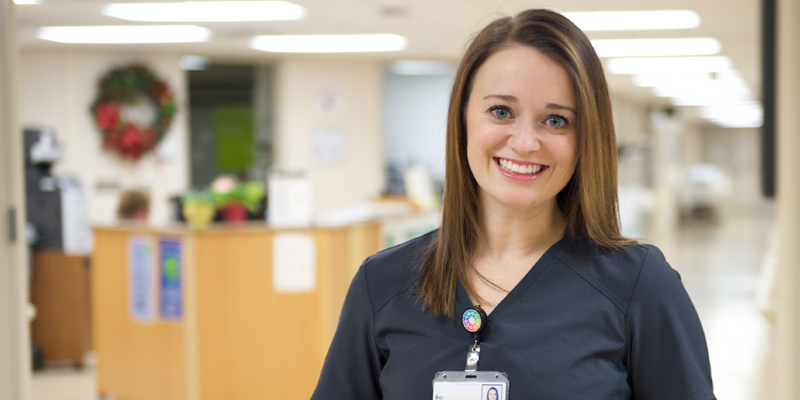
[[656, 47], [670, 80], [662, 65], [711, 100], [206, 11], [735, 116], [328, 43], [701, 91], [193, 63], [634, 20], [125, 34], [413, 67], [26, 2]]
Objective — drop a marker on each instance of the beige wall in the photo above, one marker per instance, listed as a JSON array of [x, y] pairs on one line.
[[788, 196], [56, 91], [15, 359], [357, 85]]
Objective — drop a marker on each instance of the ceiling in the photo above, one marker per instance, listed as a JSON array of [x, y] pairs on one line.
[[435, 29]]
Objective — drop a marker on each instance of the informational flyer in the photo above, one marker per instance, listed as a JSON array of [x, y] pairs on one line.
[[171, 276], [294, 262], [141, 278]]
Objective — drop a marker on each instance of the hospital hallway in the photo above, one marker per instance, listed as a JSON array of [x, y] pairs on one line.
[[720, 264]]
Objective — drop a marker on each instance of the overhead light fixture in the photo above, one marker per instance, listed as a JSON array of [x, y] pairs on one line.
[[671, 80], [328, 43], [125, 34], [634, 20], [656, 47], [205, 11], [711, 100], [735, 116], [663, 65], [414, 67], [26, 2], [701, 91]]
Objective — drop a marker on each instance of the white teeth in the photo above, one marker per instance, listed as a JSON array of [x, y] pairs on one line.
[[520, 169]]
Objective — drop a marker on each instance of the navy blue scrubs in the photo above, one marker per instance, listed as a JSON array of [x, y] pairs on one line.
[[582, 324]]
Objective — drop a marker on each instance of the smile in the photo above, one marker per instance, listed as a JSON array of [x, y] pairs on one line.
[[519, 169]]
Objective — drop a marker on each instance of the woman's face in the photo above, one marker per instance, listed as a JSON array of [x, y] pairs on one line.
[[492, 395], [521, 140]]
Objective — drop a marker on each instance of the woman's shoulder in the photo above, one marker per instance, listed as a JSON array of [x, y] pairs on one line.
[[395, 269], [620, 273]]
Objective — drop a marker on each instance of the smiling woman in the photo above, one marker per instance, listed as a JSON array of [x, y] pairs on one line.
[[530, 242]]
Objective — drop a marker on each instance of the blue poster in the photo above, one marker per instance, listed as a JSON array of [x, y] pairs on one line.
[[171, 272], [141, 278]]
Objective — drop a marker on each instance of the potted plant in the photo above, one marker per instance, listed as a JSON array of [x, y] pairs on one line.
[[234, 199], [198, 208]]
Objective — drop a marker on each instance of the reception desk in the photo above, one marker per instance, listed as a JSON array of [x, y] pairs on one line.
[[232, 332]]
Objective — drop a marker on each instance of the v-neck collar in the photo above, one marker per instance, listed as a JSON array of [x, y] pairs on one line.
[[522, 287]]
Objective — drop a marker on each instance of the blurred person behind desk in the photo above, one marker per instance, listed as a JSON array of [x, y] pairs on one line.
[[134, 205]]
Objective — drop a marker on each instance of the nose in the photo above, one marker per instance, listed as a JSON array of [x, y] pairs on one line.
[[524, 137]]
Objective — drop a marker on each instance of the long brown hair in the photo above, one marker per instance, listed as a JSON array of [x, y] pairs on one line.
[[588, 201]]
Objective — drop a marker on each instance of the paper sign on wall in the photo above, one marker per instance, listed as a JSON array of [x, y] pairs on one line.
[[294, 263], [290, 199], [141, 278], [171, 276]]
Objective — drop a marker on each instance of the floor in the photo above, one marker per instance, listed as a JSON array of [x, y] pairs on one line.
[[720, 264]]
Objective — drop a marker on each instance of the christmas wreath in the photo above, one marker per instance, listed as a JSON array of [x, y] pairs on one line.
[[128, 86]]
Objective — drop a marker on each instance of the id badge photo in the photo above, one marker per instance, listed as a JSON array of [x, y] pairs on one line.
[[471, 384]]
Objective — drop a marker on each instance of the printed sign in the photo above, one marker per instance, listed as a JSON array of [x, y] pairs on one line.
[[171, 271], [141, 278], [294, 262]]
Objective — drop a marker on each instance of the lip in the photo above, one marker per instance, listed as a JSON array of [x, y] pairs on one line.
[[517, 177]]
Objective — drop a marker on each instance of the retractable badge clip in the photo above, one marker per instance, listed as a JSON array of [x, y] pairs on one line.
[[474, 321]]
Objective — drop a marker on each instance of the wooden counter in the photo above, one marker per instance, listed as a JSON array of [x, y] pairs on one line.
[[238, 338]]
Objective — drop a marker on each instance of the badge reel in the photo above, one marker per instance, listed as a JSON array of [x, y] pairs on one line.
[[471, 383]]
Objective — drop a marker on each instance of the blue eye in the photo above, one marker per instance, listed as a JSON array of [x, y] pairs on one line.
[[556, 121], [500, 112]]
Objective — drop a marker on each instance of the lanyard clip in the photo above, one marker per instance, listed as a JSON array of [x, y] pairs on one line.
[[473, 356]]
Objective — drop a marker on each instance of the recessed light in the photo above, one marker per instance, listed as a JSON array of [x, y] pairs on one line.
[[711, 100], [670, 80], [124, 34], [205, 11], [634, 20], [26, 2], [328, 43], [656, 65], [656, 47]]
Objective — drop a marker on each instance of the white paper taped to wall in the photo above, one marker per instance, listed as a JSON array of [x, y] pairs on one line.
[[294, 263]]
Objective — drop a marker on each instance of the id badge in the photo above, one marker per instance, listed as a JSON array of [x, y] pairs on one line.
[[470, 385]]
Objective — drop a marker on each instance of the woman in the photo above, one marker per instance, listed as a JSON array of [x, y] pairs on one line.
[[491, 394], [530, 233]]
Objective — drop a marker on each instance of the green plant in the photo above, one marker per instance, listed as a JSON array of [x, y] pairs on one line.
[[248, 194]]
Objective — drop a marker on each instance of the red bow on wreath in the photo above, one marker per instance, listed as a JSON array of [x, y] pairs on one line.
[[124, 86]]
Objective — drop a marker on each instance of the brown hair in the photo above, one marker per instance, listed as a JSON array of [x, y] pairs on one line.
[[131, 202], [588, 201]]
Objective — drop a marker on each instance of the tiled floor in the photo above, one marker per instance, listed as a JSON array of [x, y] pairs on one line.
[[719, 264]]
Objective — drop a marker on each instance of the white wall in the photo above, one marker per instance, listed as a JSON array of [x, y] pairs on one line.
[[357, 88], [415, 120], [56, 91], [15, 356]]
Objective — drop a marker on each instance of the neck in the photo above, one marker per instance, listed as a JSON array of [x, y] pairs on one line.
[[516, 234]]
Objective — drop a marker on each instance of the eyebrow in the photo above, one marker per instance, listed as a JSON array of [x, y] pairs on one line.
[[513, 99]]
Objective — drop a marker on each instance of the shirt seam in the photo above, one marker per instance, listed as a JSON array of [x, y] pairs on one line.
[[598, 286], [371, 306]]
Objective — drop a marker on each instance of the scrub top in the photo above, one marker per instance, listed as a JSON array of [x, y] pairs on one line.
[[582, 324]]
